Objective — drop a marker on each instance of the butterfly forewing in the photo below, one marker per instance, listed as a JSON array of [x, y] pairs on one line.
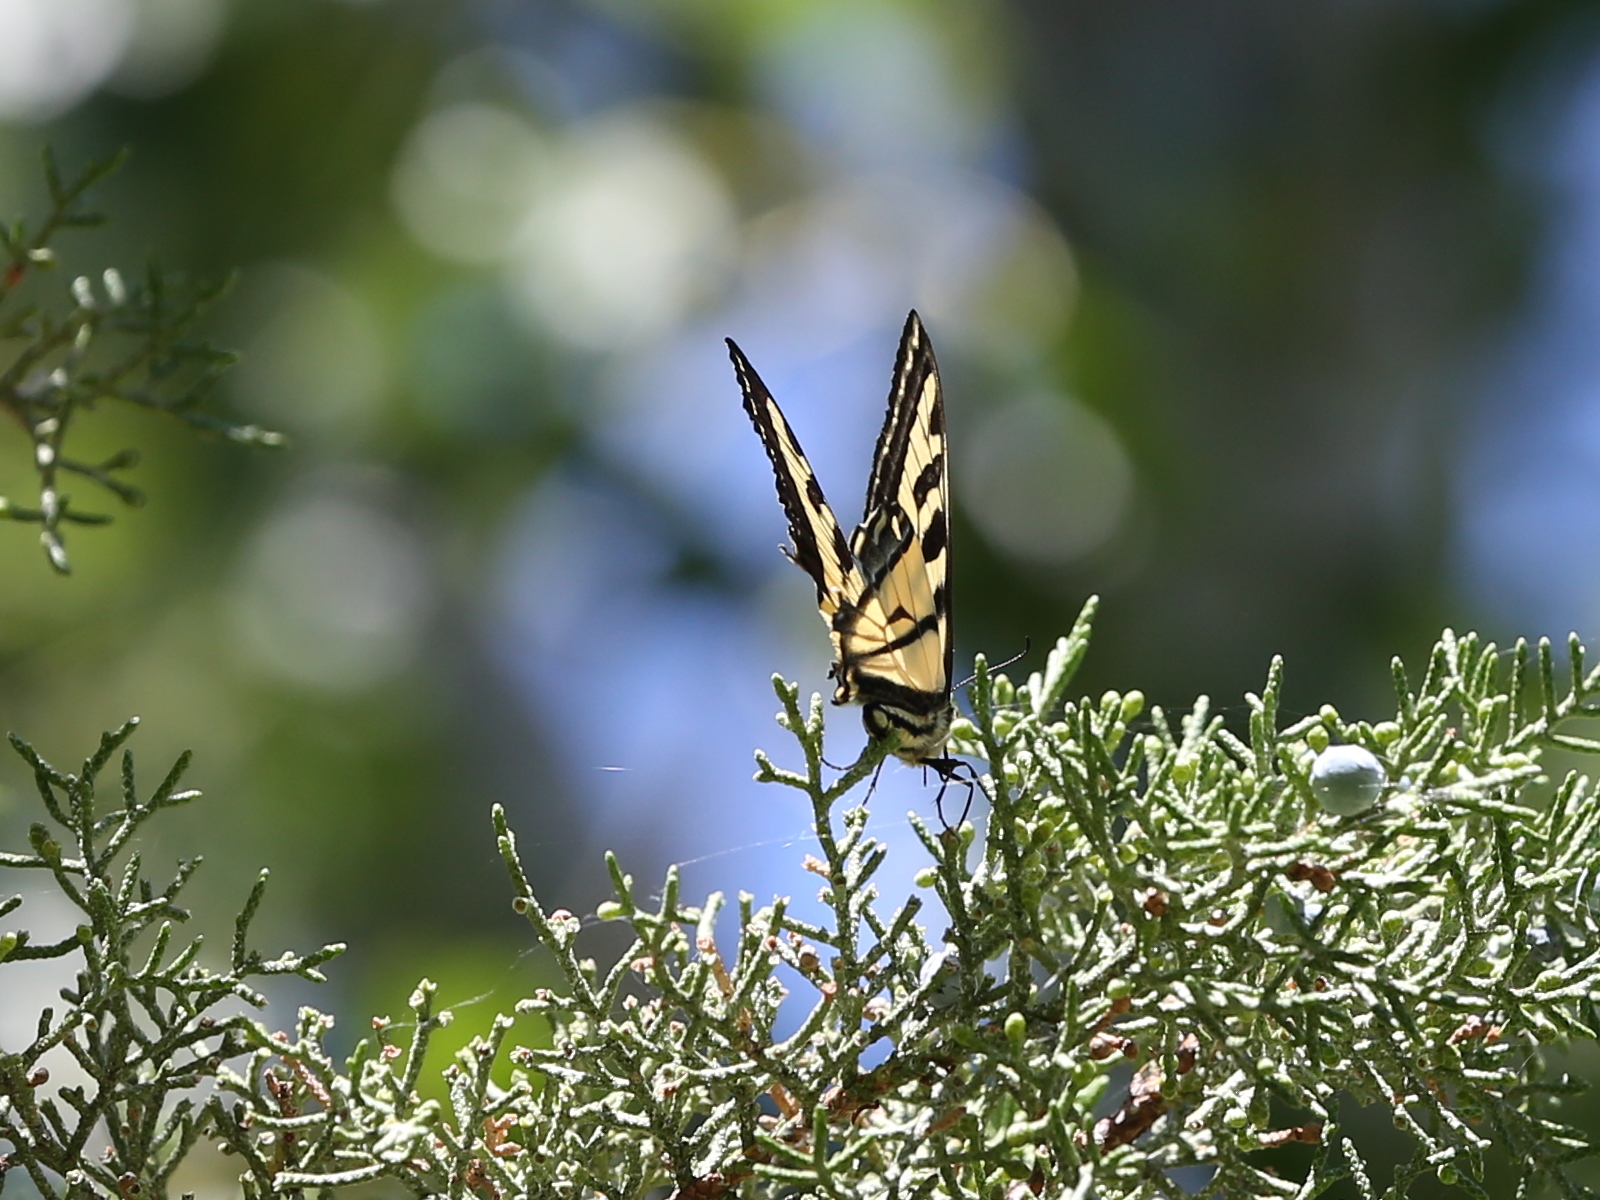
[[819, 544], [910, 476]]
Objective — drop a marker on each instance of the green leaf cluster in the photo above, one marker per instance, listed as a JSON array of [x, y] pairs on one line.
[[146, 1024], [1166, 895], [1161, 959], [129, 341]]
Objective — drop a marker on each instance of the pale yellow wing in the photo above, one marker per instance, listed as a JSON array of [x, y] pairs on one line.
[[900, 631], [819, 544]]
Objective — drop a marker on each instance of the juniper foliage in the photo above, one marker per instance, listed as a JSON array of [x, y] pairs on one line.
[[122, 340], [1158, 894]]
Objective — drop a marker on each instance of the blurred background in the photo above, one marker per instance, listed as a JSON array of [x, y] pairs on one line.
[[1276, 325]]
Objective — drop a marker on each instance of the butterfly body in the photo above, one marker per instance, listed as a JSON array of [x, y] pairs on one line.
[[885, 592]]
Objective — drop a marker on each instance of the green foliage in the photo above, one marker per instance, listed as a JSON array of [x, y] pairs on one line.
[[120, 341], [1169, 896], [1174, 897], [145, 1023]]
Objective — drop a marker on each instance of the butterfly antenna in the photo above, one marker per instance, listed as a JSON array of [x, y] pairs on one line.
[[1027, 646]]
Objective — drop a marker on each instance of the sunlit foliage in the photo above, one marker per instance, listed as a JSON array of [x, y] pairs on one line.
[[1165, 895]]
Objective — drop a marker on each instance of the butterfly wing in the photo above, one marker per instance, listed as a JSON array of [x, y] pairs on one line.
[[885, 593], [898, 647], [819, 544]]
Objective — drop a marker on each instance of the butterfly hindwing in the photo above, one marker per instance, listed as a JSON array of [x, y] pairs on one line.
[[885, 592]]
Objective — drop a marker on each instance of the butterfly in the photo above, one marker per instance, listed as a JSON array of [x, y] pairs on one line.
[[885, 592]]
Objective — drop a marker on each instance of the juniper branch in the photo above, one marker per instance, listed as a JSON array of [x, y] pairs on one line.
[[114, 341]]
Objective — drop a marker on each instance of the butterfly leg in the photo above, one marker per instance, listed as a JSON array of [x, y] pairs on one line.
[[873, 786], [949, 770]]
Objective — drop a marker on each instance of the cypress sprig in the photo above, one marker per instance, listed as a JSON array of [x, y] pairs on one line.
[[129, 341], [1196, 905], [1165, 894], [145, 1022]]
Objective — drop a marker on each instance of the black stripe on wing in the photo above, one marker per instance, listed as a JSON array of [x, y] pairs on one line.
[[819, 544], [920, 629], [911, 471], [914, 363]]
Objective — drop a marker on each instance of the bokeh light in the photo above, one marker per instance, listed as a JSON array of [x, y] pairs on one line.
[[312, 357], [632, 229], [465, 179], [334, 593], [1275, 327], [58, 51], [1047, 481]]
